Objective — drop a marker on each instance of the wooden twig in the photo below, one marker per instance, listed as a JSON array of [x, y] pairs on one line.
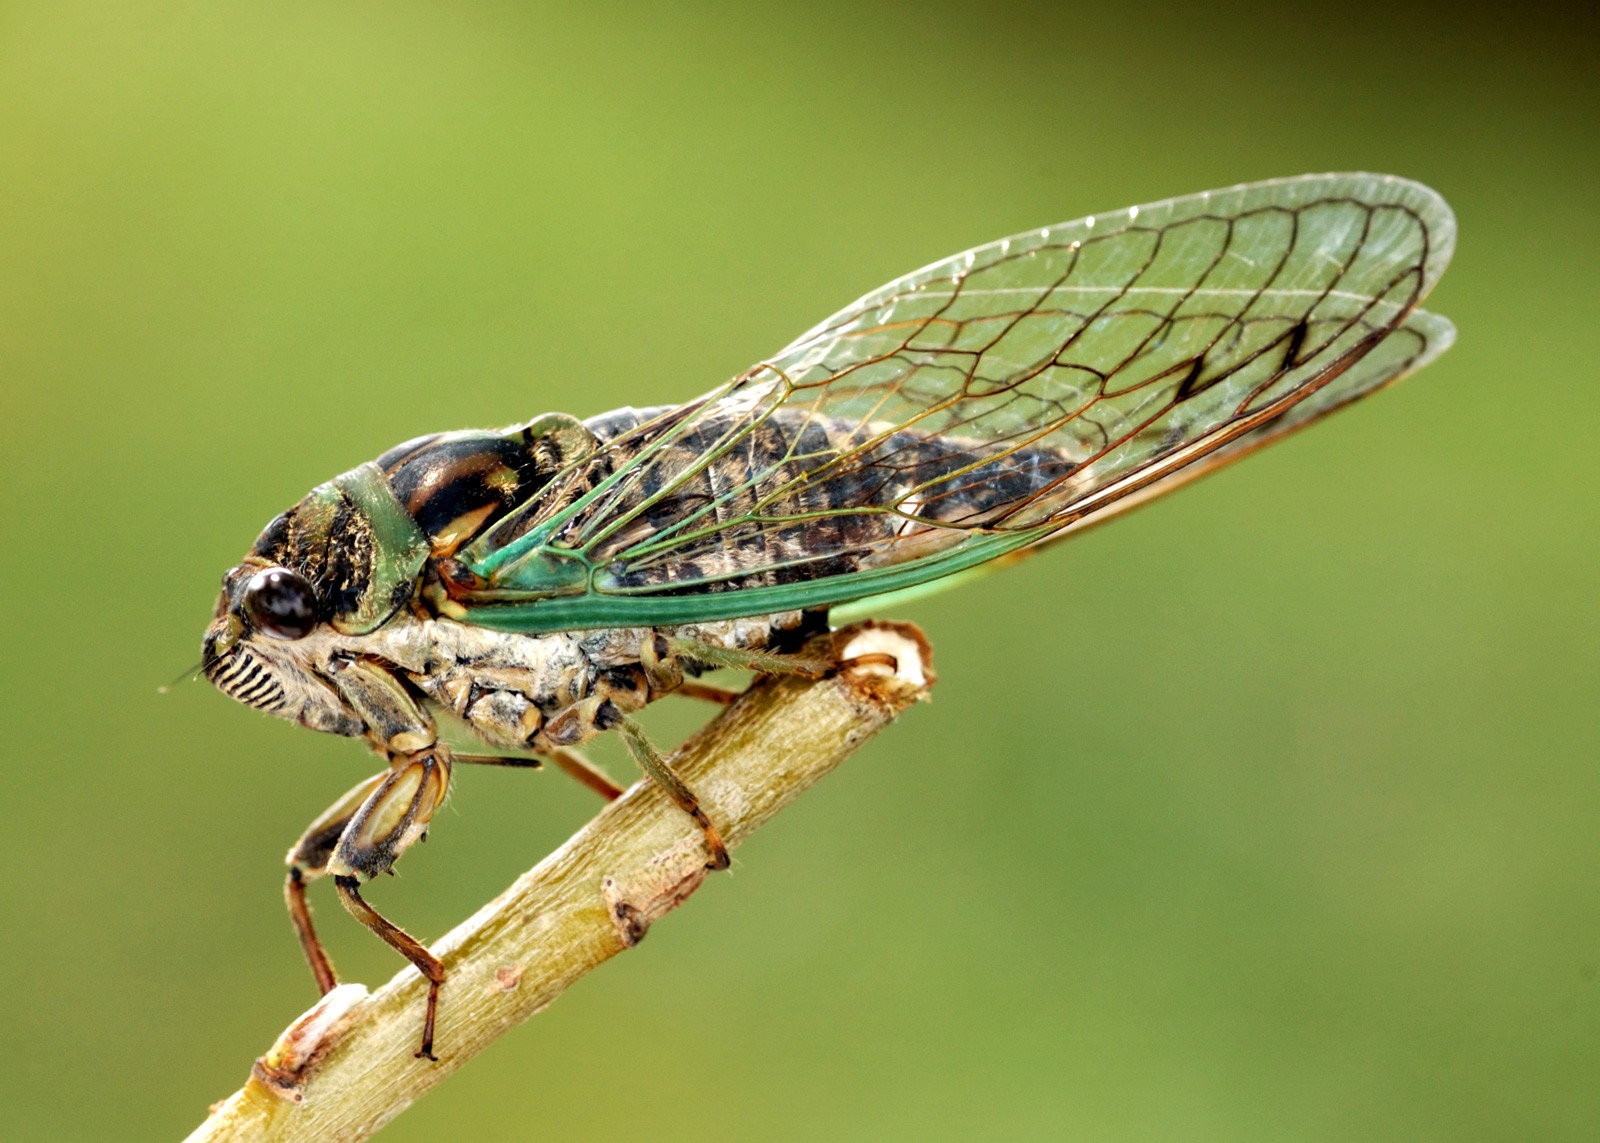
[[345, 1068]]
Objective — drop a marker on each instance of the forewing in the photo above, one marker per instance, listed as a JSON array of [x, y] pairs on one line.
[[988, 401], [1420, 338]]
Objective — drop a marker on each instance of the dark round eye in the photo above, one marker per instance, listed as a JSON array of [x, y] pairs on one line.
[[280, 603]]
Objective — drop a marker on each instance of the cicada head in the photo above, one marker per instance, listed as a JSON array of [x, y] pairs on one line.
[[333, 568]]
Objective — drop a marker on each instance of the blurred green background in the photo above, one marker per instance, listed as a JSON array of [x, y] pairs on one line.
[[1269, 813]]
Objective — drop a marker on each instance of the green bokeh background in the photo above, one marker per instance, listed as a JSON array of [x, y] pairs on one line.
[[1269, 813]]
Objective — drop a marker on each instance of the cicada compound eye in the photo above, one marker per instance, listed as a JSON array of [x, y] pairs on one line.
[[280, 603]]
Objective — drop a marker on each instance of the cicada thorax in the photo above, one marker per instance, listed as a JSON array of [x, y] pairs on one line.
[[366, 538], [454, 485], [728, 506]]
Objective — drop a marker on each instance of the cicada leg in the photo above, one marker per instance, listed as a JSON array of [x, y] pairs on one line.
[[570, 762], [582, 720], [407, 946], [576, 764], [662, 658], [708, 692], [672, 652], [308, 860], [650, 760], [393, 816], [809, 666]]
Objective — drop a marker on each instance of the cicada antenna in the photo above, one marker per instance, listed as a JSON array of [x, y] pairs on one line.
[[185, 676]]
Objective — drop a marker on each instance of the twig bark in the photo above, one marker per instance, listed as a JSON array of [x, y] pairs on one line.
[[345, 1068]]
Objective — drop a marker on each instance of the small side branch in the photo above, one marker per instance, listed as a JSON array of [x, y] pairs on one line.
[[345, 1068]]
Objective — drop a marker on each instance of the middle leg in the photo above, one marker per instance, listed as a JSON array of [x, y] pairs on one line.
[[573, 763]]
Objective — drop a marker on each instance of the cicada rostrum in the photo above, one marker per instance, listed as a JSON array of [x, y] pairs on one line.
[[544, 582]]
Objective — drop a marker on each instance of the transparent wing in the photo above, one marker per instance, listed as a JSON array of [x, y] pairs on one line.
[[989, 401], [1421, 338]]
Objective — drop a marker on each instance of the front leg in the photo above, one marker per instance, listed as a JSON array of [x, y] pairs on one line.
[[366, 831], [358, 837], [407, 946], [393, 817], [308, 860]]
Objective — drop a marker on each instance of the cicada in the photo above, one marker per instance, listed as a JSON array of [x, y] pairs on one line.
[[544, 582]]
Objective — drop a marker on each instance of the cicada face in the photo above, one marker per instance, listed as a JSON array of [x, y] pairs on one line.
[[268, 647]]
